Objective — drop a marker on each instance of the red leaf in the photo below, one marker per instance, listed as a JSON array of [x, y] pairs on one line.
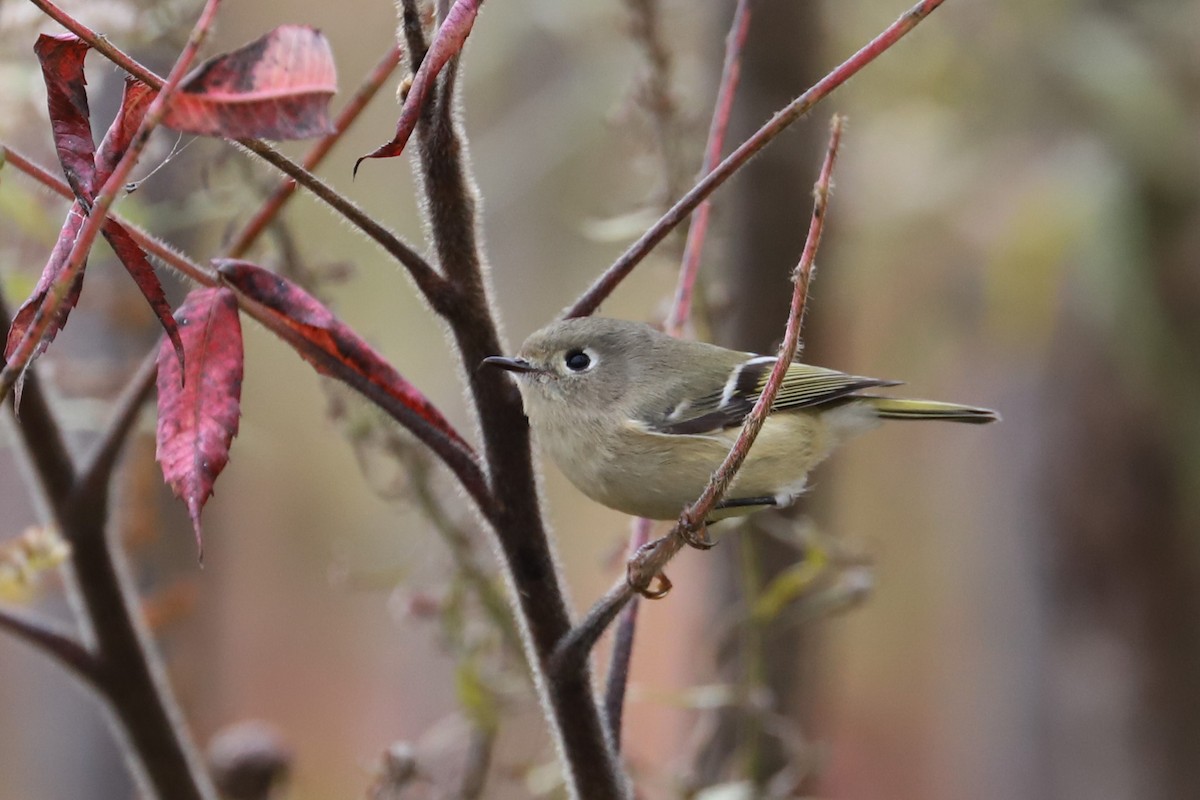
[[449, 41], [307, 325], [136, 100], [142, 272], [277, 87], [61, 58], [134, 104], [50, 273], [198, 413]]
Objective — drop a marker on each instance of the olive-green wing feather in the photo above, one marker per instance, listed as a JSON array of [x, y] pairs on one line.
[[803, 386]]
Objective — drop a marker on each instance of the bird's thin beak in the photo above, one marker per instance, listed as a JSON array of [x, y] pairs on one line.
[[509, 364]]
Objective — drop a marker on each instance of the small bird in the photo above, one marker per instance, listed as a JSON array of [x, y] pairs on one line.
[[639, 421]]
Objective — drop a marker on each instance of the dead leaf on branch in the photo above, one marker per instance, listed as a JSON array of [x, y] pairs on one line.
[[319, 337], [276, 87], [198, 412]]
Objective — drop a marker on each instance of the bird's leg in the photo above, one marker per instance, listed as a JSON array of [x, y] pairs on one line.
[[694, 533], [699, 538]]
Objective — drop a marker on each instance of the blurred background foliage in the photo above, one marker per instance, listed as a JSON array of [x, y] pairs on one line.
[[1016, 224]]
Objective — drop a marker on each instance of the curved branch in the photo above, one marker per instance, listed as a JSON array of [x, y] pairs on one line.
[[64, 649]]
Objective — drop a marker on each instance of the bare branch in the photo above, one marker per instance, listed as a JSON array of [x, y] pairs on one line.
[[97, 470], [606, 283], [42, 635], [622, 653], [731, 71], [287, 187], [649, 562]]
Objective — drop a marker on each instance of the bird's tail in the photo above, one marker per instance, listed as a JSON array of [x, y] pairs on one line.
[[892, 408]]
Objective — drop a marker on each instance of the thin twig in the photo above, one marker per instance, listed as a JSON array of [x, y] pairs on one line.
[[735, 41], [479, 760], [98, 466], [42, 635], [617, 679], [731, 71], [654, 90], [650, 561], [612, 277], [149, 242], [103, 200], [287, 187]]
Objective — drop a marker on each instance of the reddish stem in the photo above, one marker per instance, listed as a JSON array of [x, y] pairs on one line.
[[650, 561], [606, 283], [287, 187], [103, 201], [731, 71]]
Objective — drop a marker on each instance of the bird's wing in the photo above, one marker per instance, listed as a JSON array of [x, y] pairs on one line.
[[803, 386]]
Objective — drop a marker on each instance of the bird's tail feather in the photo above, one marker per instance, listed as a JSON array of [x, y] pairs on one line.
[[893, 408]]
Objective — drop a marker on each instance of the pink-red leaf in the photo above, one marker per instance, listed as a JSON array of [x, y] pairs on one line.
[[91, 170], [135, 102], [61, 58], [198, 412], [319, 337], [139, 268], [451, 37], [23, 319], [277, 87]]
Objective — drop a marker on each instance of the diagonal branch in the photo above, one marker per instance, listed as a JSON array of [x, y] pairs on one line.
[[612, 277], [731, 72], [287, 187], [42, 635], [650, 561], [735, 42]]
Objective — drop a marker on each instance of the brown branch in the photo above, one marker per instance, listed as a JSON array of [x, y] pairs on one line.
[[612, 277], [617, 678], [653, 92], [570, 707], [42, 635], [649, 562], [271, 207]]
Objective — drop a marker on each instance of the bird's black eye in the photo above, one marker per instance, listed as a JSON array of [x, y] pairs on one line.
[[577, 361]]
